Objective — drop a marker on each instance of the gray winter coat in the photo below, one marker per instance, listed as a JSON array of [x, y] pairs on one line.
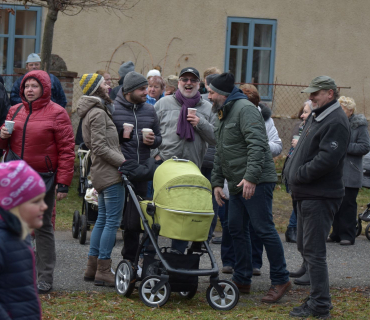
[[359, 145], [168, 111]]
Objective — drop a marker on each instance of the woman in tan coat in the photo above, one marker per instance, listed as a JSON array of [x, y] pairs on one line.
[[101, 137]]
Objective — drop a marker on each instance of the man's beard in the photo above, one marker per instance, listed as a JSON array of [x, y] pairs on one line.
[[217, 105], [137, 99]]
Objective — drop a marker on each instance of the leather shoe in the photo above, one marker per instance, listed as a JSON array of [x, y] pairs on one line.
[[345, 243], [243, 288], [227, 269], [216, 240], [299, 273], [291, 235], [304, 311], [303, 281], [276, 292], [256, 272]]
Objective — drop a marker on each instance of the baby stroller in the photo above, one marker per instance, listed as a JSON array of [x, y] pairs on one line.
[[181, 209], [364, 216]]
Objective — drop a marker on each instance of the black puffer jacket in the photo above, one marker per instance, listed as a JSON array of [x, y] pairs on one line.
[[141, 116]]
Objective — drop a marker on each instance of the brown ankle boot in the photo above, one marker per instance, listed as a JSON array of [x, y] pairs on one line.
[[104, 276], [90, 271]]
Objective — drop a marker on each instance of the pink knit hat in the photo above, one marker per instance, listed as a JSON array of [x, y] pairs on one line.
[[18, 184]]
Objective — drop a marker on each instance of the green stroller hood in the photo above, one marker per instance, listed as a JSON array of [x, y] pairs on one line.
[[179, 185]]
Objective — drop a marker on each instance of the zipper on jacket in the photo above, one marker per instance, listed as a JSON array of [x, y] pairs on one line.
[[24, 129], [137, 135], [188, 186]]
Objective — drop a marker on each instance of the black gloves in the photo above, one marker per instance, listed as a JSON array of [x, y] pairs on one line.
[[122, 139], [138, 172], [62, 188]]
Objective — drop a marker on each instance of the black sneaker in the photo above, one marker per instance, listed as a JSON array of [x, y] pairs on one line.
[[44, 287], [304, 311]]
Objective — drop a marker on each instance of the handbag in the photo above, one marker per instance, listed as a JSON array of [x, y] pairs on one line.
[[48, 177]]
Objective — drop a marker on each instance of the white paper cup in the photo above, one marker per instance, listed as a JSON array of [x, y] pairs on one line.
[[296, 137], [127, 128], [192, 111], [9, 125], [145, 132]]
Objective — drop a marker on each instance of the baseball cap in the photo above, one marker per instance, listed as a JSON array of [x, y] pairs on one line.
[[33, 57], [320, 83], [190, 70]]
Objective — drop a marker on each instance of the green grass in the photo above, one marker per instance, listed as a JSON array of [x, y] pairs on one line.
[[348, 304]]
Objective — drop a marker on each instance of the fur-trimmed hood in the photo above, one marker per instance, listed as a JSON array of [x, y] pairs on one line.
[[357, 120], [265, 111]]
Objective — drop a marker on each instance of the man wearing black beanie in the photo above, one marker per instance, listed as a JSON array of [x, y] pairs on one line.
[[244, 159]]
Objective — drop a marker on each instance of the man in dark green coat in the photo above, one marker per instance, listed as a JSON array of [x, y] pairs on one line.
[[244, 158]]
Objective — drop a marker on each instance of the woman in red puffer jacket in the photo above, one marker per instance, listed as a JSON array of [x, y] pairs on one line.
[[43, 137]]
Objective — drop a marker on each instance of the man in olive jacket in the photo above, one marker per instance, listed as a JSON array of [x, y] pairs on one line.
[[244, 158]]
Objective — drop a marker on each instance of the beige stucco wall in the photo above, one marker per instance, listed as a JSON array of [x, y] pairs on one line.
[[314, 37]]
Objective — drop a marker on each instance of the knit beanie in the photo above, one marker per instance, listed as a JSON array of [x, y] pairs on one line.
[[19, 183], [125, 68], [153, 73], [223, 84], [133, 81], [89, 83]]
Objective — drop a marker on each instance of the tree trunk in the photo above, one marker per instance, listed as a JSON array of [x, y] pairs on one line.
[[47, 39]]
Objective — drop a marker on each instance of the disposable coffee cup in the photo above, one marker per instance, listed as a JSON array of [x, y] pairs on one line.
[[145, 132], [9, 125], [192, 111], [127, 128], [296, 137]]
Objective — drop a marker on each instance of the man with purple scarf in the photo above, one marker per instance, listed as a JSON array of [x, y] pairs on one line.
[[184, 135]]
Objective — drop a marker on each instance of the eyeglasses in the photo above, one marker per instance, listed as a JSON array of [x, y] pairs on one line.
[[185, 80]]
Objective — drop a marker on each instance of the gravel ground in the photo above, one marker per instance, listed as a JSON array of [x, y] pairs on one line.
[[347, 264]]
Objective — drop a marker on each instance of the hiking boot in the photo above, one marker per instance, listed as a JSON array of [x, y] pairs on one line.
[[291, 235], [104, 276], [90, 271], [303, 281], [243, 288], [276, 292], [256, 272], [304, 311], [44, 287], [227, 269], [299, 273]]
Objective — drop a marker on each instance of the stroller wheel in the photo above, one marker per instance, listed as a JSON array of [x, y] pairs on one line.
[[75, 224], [231, 296], [125, 283], [358, 227], [83, 229], [367, 232], [157, 299], [189, 294]]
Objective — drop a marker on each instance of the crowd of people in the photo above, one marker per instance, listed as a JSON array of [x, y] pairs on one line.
[[230, 136]]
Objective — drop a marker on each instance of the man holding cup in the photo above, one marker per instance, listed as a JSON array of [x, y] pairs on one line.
[[138, 128], [186, 122]]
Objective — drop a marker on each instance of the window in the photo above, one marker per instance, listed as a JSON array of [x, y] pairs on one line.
[[250, 52], [19, 36]]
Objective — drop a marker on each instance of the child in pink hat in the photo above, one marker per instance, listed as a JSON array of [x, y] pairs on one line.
[[22, 207]]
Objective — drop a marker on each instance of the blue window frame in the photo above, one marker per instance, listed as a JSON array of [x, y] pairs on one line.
[[250, 51], [20, 35]]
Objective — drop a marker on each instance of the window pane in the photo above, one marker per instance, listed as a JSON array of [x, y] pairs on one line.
[[238, 64], [3, 55], [22, 48], [262, 35], [239, 34], [4, 21], [261, 69], [25, 23]]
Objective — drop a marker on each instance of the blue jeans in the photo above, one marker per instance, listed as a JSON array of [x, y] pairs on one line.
[[227, 247], [258, 212], [293, 220], [257, 248], [110, 207]]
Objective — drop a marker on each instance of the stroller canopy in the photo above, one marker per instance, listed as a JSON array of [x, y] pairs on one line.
[[179, 185]]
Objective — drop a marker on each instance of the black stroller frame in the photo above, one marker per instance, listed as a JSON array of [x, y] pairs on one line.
[[221, 294]]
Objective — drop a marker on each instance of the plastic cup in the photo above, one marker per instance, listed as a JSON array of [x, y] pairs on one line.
[[145, 132], [192, 111], [296, 137], [127, 128], [9, 125]]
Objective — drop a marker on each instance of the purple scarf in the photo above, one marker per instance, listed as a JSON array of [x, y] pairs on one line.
[[184, 128]]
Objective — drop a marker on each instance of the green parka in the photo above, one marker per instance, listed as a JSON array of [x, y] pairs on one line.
[[242, 150]]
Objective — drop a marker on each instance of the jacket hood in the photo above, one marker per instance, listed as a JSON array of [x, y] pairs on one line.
[[86, 103], [44, 80], [265, 111], [236, 94], [121, 100], [10, 221], [357, 120]]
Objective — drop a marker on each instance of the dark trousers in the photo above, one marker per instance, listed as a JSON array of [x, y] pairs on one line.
[[315, 218], [227, 246], [257, 248], [344, 225]]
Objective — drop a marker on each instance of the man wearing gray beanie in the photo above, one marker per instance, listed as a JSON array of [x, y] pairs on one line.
[[123, 70]]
